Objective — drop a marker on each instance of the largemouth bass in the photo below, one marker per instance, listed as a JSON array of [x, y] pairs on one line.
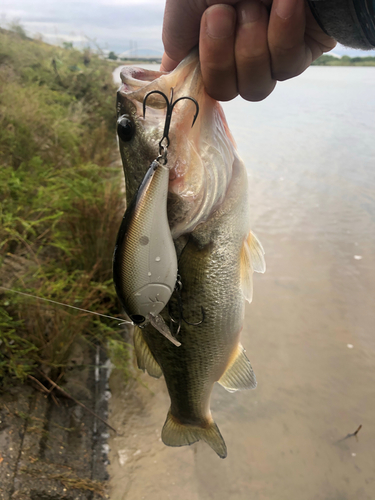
[[208, 214]]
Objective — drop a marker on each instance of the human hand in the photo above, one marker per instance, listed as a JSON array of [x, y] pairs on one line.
[[245, 46]]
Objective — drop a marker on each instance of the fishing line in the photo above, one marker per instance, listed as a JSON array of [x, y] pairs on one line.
[[65, 305]]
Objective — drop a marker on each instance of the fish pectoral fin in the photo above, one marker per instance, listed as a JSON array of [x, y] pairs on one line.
[[239, 375], [256, 253], [175, 433], [252, 259], [246, 269], [145, 359]]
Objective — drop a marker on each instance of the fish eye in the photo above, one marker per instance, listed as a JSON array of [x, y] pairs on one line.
[[137, 319], [125, 128]]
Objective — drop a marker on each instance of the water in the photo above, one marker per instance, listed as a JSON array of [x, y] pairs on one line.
[[309, 333]]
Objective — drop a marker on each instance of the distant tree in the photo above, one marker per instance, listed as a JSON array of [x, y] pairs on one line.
[[112, 56], [67, 45], [324, 59], [346, 60], [87, 56], [328, 60], [17, 28]]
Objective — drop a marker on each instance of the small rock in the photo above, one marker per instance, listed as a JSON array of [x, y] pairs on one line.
[[122, 457]]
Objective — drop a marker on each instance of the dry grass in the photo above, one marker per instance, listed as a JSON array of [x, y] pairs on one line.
[[61, 202]]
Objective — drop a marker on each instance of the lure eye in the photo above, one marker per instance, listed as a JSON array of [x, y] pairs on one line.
[[125, 128], [137, 319]]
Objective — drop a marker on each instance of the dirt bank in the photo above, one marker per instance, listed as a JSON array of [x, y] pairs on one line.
[[51, 448]]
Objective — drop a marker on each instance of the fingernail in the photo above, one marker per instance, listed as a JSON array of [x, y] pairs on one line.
[[250, 12], [220, 21], [286, 8]]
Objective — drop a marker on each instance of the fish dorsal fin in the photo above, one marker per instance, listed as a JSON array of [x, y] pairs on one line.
[[252, 259], [145, 359], [175, 433], [239, 375]]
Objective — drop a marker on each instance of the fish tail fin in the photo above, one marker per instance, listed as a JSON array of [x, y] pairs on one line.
[[175, 433]]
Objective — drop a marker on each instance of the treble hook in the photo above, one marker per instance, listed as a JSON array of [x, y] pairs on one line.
[[168, 117], [181, 318]]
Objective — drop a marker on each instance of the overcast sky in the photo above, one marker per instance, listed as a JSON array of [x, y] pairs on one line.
[[118, 25], [114, 24]]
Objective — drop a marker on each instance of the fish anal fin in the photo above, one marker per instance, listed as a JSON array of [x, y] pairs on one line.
[[175, 433], [239, 375], [145, 359]]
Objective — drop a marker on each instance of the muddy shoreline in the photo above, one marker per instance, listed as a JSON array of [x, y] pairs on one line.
[[50, 447]]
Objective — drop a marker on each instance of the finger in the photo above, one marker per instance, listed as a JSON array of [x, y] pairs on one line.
[[167, 63], [286, 39], [216, 52], [181, 27], [253, 60]]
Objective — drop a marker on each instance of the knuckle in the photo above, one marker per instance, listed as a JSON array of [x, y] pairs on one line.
[[255, 57], [285, 46], [285, 50], [217, 59], [219, 75], [218, 67]]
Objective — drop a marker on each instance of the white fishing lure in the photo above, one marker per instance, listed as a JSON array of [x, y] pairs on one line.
[[145, 261]]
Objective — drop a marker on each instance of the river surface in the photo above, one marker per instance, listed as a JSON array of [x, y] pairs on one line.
[[310, 331]]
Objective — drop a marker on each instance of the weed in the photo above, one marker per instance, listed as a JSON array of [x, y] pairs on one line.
[[61, 203]]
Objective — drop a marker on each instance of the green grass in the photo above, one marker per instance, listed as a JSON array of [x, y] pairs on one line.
[[328, 60], [61, 203]]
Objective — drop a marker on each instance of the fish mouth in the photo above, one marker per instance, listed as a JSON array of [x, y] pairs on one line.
[[184, 81], [136, 82], [200, 158], [134, 78]]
